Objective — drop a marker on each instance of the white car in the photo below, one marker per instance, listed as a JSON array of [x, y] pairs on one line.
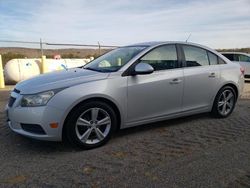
[[242, 58]]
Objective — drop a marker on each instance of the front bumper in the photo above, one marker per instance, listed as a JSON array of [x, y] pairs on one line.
[[43, 116]]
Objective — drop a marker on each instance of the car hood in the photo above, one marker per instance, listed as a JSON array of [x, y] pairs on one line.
[[59, 79]]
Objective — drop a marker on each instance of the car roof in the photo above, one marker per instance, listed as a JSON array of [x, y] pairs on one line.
[[151, 43], [157, 43]]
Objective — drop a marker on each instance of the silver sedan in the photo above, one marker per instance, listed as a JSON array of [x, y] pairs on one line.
[[129, 86]]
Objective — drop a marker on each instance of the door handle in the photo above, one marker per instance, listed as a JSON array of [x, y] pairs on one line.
[[212, 75], [175, 81]]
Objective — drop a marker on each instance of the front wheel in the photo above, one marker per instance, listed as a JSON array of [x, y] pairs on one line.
[[224, 102], [91, 125]]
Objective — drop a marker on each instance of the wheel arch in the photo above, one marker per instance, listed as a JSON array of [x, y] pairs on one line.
[[235, 88], [232, 85], [214, 110], [101, 99]]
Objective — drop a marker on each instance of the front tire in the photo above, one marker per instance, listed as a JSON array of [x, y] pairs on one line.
[[224, 102], [91, 124]]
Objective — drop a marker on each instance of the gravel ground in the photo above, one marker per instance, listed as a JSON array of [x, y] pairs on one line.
[[196, 151]]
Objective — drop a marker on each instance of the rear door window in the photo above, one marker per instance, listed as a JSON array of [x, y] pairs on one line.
[[195, 56]]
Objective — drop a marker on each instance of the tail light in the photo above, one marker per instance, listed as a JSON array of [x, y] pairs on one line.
[[242, 70]]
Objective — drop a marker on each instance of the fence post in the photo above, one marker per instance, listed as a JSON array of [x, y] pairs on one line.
[[99, 48], [41, 46], [44, 64], [2, 83]]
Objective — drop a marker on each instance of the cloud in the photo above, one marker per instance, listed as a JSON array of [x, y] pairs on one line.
[[218, 24]]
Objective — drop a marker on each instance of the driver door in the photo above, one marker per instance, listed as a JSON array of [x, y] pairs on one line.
[[157, 94]]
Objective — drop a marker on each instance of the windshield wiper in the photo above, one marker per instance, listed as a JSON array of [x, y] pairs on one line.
[[89, 68], [99, 70]]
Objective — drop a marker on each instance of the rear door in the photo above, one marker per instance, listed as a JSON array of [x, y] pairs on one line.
[[201, 80]]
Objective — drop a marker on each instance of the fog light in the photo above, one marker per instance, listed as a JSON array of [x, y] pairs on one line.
[[53, 125]]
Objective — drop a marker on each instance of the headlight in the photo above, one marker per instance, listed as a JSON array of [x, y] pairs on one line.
[[39, 99]]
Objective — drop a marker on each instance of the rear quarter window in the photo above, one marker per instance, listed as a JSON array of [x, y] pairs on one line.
[[221, 61], [213, 59]]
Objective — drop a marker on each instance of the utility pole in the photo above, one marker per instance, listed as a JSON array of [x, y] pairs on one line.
[[41, 46], [99, 47]]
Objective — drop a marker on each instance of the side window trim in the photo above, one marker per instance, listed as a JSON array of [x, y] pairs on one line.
[[182, 56], [209, 61]]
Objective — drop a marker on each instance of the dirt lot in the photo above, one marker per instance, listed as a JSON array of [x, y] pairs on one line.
[[196, 151]]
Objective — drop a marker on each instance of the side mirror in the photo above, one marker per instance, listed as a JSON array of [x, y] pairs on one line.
[[143, 68]]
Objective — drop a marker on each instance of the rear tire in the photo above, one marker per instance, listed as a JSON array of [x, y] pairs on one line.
[[91, 124], [224, 102]]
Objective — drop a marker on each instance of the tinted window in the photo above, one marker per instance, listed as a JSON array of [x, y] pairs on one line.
[[162, 58], [229, 56], [244, 58], [213, 59], [195, 56]]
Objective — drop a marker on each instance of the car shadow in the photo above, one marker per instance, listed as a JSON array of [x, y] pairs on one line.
[[48, 147], [160, 124]]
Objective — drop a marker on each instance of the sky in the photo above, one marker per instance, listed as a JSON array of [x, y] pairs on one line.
[[214, 23]]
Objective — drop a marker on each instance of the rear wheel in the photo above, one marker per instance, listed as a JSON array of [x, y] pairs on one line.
[[91, 124], [224, 102]]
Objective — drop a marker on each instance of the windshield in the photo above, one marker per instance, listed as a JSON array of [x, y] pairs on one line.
[[114, 60]]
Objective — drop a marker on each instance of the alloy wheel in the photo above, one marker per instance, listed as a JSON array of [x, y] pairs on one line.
[[226, 102], [93, 125]]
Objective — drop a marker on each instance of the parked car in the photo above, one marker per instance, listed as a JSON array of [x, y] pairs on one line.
[[242, 58], [129, 86]]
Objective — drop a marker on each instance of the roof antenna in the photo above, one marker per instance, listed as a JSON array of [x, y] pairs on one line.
[[188, 37]]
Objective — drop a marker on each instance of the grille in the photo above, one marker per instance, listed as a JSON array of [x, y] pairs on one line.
[[33, 128], [11, 101]]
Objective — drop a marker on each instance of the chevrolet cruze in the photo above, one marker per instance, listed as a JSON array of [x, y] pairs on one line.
[[125, 87]]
